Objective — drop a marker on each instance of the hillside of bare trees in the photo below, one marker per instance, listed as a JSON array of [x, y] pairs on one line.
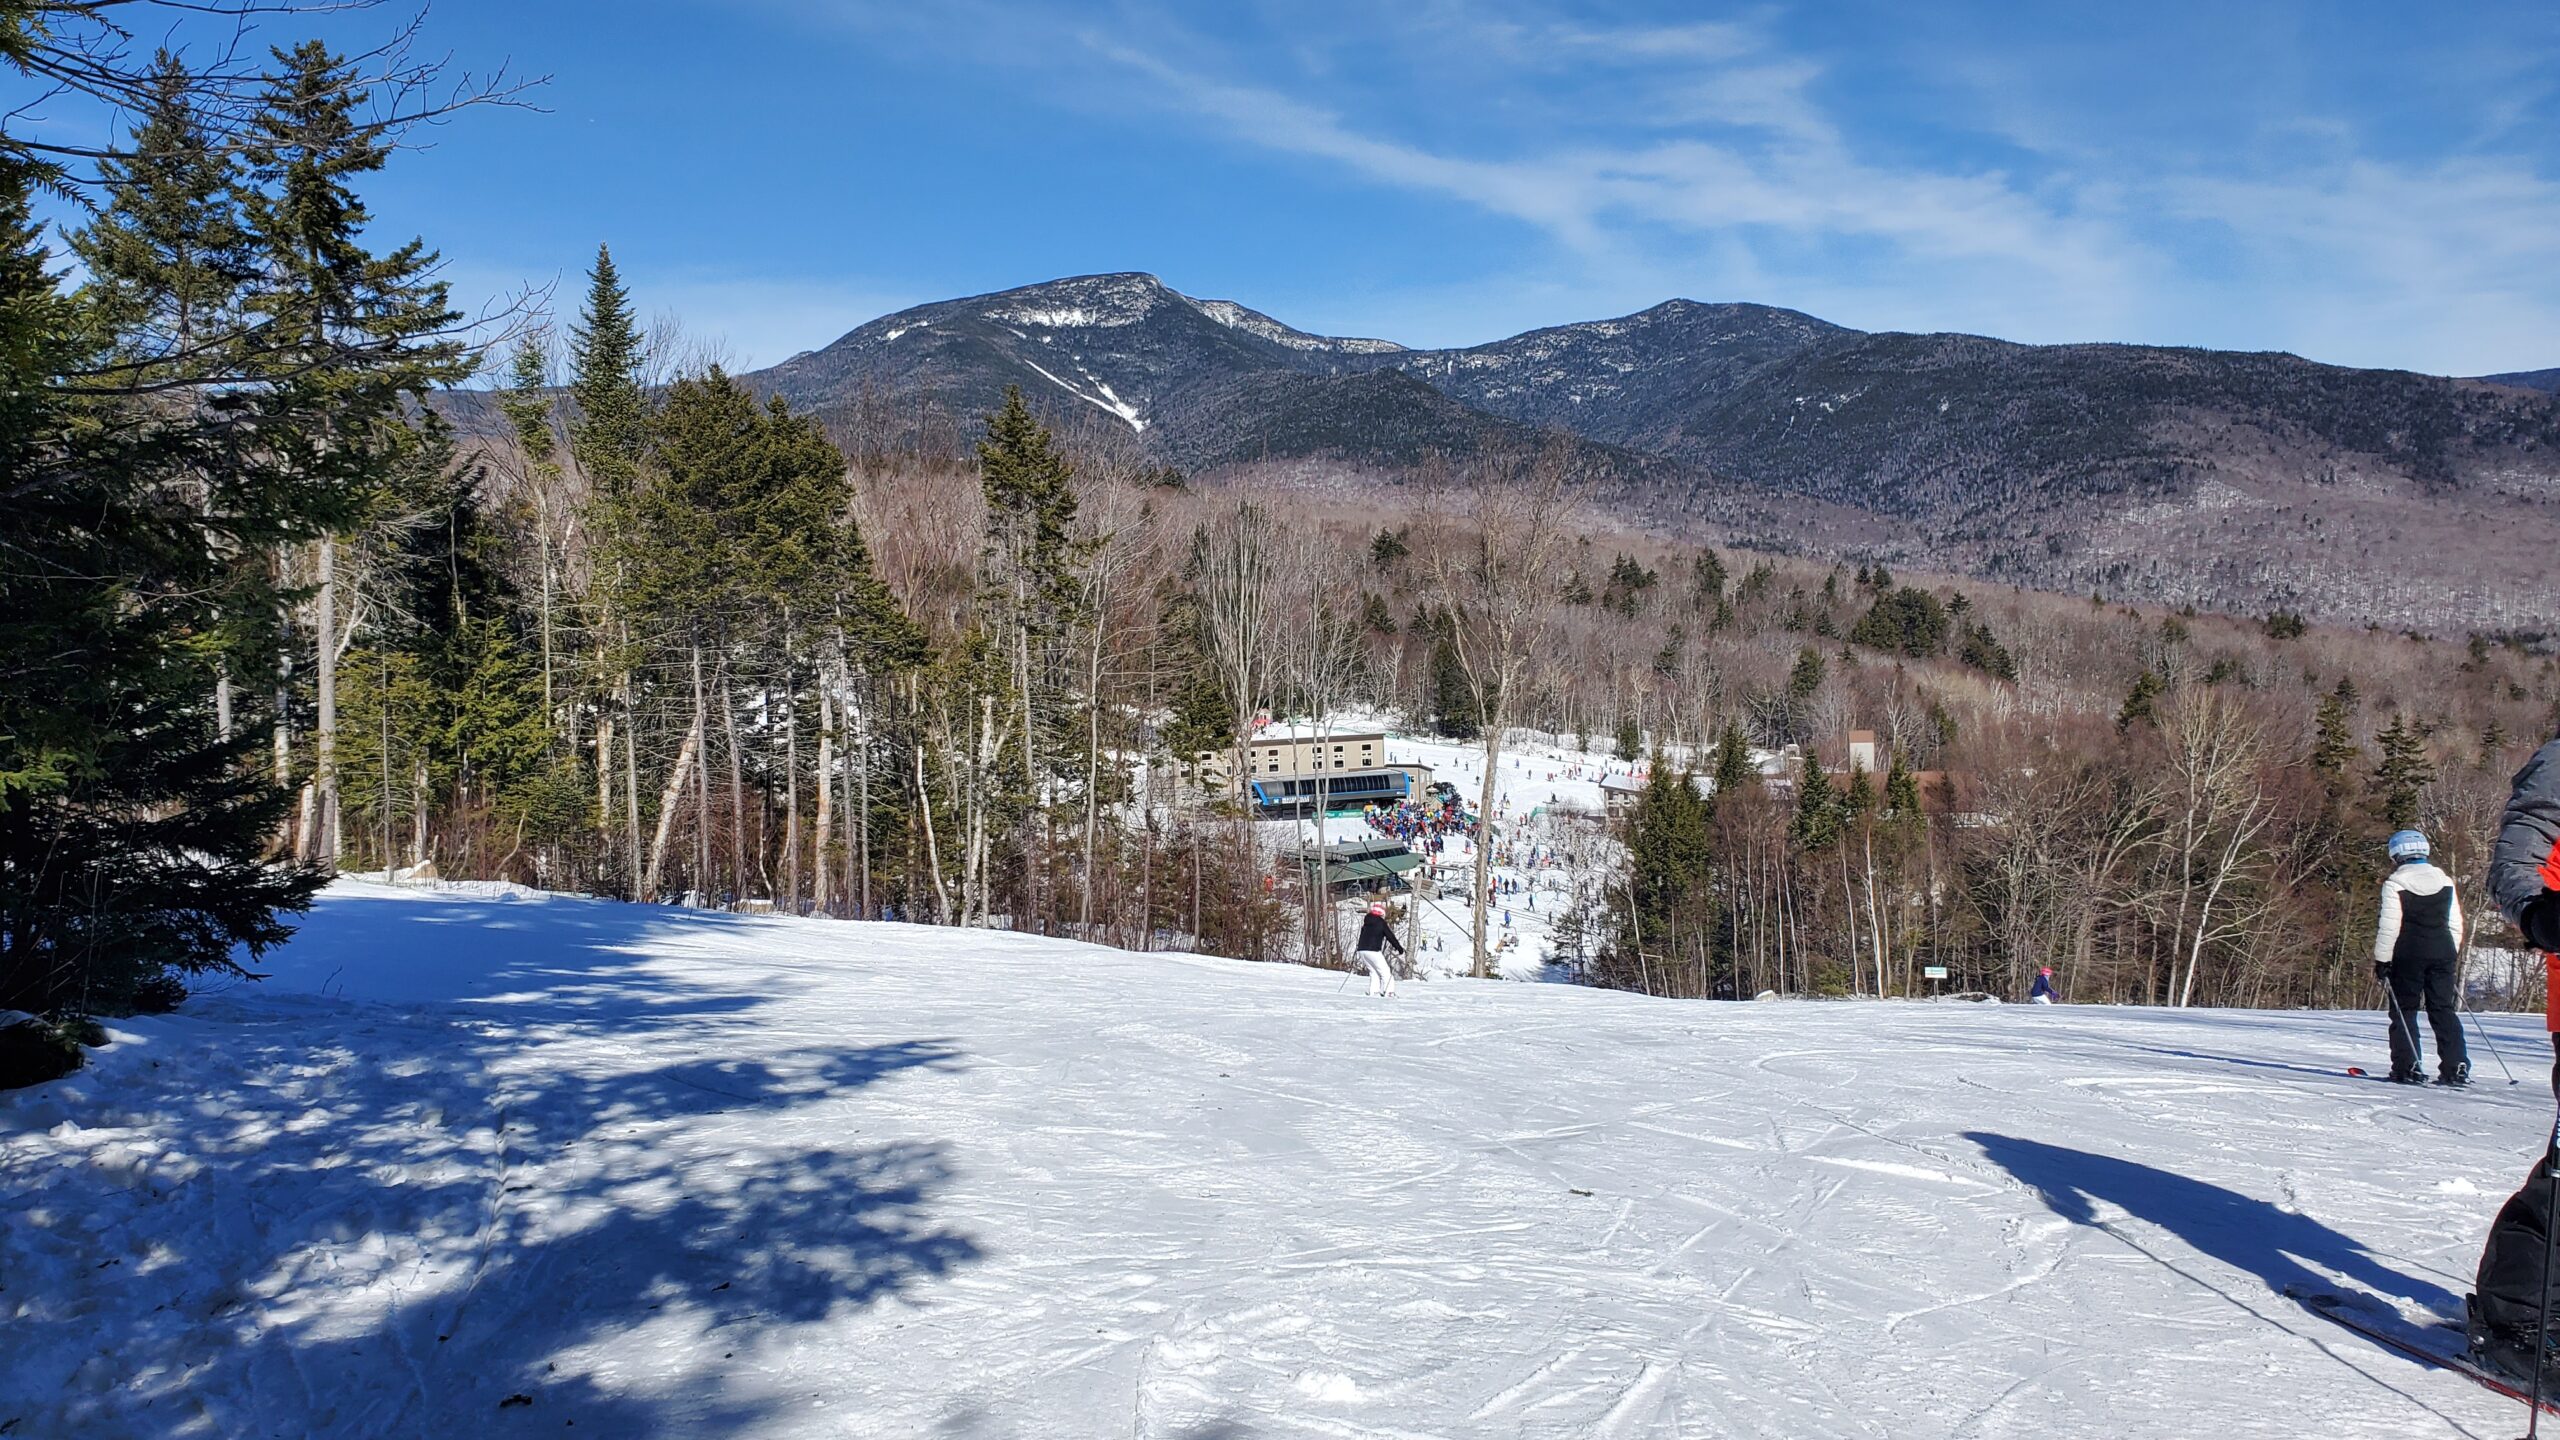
[[967, 687]]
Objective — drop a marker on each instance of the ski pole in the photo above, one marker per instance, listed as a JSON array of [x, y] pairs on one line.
[[2542, 1301], [2482, 1031], [2401, 1026], [2462, 986]]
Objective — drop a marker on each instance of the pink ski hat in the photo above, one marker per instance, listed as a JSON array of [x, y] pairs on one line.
[[1378, 910]]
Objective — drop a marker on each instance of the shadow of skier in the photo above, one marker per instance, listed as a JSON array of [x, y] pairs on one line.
[[2277, 1245]]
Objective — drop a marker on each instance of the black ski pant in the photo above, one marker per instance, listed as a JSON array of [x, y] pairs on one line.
[[2426, 985]]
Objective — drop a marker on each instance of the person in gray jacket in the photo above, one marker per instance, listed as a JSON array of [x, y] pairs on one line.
[[2524, 875], [2417, 951], [2513, 1296]]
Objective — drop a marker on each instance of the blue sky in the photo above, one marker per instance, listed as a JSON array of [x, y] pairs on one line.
[[2364, 183]]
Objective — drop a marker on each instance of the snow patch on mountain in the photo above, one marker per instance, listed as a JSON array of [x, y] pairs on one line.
[[1106, 400], [1254, 322], [1067, 318]]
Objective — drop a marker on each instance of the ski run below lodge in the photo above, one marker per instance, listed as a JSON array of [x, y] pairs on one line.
[[479, 1161]]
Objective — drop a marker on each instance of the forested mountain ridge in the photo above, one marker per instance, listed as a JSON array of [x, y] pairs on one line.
[[2544, 380], [2226, 479]]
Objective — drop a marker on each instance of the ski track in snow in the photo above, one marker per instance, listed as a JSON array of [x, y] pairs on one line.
[[671, 1174]]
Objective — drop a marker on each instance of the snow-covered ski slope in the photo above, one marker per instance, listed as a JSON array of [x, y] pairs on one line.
[[665, 1174]]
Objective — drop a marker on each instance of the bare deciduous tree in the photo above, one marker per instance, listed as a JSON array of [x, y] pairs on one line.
[[1496, 552]]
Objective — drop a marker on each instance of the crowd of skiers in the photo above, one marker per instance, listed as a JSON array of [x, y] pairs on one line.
[[1424, 827]]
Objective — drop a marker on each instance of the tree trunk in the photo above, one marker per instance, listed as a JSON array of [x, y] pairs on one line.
[[1092, 775], [284, 702], [631, 788], [824, 830], [791, 792], [671, 793], [417, 815], [1147, 868], [737, 789], [859, 853], [1483, 884], [324, 773], [604, 775], [932, 847], [701, 789], [542, 518]]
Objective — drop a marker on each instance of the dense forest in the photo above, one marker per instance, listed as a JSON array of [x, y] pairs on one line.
[[660, 637]]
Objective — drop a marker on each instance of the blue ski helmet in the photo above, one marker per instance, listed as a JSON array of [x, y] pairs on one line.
[[2408, 845]]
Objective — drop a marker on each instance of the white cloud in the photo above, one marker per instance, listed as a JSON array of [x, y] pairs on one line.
[[2445, 266]]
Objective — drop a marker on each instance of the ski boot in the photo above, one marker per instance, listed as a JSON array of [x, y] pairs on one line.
[[2506, 1353], [2456, 1076], [2408, 1077]]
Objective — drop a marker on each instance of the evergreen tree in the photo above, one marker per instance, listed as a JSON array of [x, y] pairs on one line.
[[1630, 740], [610, 432], [2334, 752], [2403, 772], [609, 437], [131, 828], [365, 334], [1453, 701], [1666, 661], [1858, 794], [1905, 621], [1985, 653], [1706, 580], [167, 257], [1807, 675], [1901, 790], [1028, 597], [1819, 813], [528, 407], [1733, 768], [1204, 716], [2142, 702], [1664, 914]]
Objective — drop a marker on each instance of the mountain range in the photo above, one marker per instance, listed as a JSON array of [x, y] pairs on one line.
[[2242, 481]]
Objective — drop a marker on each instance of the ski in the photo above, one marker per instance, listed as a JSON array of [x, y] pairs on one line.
[[2339, 1309]]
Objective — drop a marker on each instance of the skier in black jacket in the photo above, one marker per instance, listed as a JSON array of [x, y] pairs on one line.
[[2524, 874], [2417, 951], [1376, 935]]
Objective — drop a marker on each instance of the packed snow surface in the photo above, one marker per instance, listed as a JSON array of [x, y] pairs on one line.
[[490, 1163]]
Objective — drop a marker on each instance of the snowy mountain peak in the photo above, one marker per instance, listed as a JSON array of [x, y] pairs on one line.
[[1085, 301]]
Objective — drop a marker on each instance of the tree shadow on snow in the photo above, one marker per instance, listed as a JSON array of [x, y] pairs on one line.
[[2274, 1244], [585, 1246]]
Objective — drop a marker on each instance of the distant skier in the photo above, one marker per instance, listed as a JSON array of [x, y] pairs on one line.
[[1376, 937], [2044, 992], [2417, 951]]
